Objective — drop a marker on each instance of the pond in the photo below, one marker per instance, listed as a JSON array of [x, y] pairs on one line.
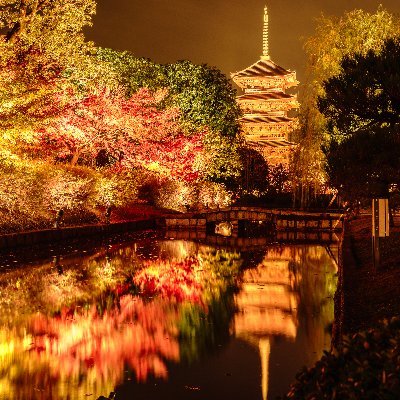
[[149, 317]]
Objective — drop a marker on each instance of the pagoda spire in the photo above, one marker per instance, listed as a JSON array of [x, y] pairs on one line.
[[265, 54]]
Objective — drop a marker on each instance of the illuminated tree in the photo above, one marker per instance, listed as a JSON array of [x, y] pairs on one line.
[[43, 57], [67, 107], [362, 109], [128, 132], [356, 32], [35, 19], [202, 93], [206, 98], [365, 94], [133, 73], [29, 91]]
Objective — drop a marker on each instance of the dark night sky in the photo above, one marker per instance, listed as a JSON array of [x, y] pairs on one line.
[[223, 33]]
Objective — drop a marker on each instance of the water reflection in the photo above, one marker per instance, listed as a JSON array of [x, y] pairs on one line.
[[272, 293], [77, 327]]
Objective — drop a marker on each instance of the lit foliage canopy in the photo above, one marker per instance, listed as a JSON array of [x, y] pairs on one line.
[[129, 132], [132, 73], [207, 98], [356, 32], [365, 94], [81, 121], [204, 96], [42, 52], [362, 108]]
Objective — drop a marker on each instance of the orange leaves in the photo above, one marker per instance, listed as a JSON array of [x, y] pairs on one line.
[[137, 333]]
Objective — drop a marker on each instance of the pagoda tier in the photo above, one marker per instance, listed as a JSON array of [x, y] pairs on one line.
[[267, 101], [265, 105], [265, 74], [266, 126]]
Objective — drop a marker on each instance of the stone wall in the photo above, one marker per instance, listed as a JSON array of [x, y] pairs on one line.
[[57, 235]]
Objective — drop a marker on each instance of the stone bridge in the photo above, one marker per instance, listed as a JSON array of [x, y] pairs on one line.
[[281, 220]]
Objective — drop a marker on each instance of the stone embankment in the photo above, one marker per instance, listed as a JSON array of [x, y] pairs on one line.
[[69, 233]]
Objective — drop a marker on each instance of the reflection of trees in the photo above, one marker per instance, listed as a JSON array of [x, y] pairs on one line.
[[196, 337], [315, 276], [82, 280], [90, 328], [203, 281], [315, 282], [79, 328], [80, 349]]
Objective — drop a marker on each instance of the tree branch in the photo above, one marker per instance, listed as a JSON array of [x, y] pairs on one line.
[[25, 14]]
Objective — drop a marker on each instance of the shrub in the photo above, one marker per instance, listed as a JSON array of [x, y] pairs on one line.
[[366, 367], [178, 196], [69, 188], [21, 189], [31, 192]]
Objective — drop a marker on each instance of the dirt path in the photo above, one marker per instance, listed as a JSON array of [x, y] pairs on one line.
[[370, 294]]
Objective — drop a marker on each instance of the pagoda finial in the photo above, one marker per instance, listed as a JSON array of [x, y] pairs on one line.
[[265, 54]]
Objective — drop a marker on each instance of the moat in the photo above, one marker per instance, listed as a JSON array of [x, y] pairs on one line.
[[148, 316]]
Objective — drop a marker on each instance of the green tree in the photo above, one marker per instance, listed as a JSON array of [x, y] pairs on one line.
[[132, 73], [203, 94], [366, 164], [356, 32], [43, 57], [362, 108], [207, 99], [365, 94]]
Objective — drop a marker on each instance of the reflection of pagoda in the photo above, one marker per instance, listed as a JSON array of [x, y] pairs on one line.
[[267, 306], [265, 123]]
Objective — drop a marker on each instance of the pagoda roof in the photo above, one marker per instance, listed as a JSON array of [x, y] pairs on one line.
[[262, 68], [264, 118], [269, 95]]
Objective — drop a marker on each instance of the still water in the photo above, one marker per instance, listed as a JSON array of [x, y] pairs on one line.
[[150, 317]]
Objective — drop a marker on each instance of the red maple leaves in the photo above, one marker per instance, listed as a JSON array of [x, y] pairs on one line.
[[132, 132]]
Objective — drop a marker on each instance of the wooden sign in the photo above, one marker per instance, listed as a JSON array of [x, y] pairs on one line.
[[380, 217]]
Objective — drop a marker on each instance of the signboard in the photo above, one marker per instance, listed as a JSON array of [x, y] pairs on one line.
[[380, 217]]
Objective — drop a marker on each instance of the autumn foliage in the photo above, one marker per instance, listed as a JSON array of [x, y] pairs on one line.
[[82, 128], [130, 133]]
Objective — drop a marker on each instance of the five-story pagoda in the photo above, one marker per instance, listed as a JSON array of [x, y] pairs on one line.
[[265, 104]]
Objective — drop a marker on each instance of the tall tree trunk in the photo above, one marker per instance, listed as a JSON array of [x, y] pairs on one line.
[[25, 14]]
